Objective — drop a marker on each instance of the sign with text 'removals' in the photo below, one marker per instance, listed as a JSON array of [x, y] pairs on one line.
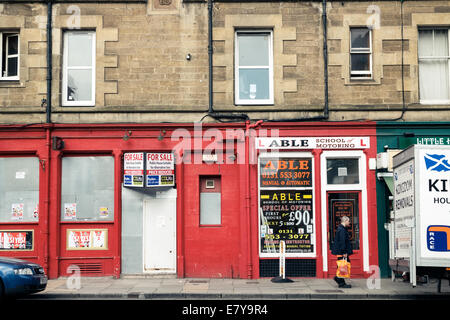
[[313, 143], [403, 208], [160, 170], [133, 169]]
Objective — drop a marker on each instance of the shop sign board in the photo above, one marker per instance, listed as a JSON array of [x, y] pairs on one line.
[[87, 239], [285, 172], [405, 142], [313, 143], [160, 170], [133, 169], [404, 208], [287, 215], [16, 240]]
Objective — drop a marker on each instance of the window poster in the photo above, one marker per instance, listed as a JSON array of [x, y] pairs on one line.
[[15, 240], [287, 215], [285, 172], [87, 239], [17, 211], [70, 211]]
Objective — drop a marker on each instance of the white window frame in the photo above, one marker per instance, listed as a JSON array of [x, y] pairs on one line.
[[361, 74], [8, 35], [361, 187], [239, 101], [65, 101], [425, 58]]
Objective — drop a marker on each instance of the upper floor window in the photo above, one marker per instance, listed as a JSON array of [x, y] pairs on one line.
[[360, 53], [78, 82], [9, 63], [253, 67], [434, 63]]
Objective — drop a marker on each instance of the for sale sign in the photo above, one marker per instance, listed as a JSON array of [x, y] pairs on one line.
[[133, 169], [160, 170]]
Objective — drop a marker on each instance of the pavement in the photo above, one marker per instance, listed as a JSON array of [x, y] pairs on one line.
[[140, 288]]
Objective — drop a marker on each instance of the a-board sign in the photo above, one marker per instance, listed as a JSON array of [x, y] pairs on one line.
[[133, 169], [285, 172], [287, 215], [16, 240]]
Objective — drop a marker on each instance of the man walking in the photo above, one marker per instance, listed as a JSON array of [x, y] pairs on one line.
[[342, 247]]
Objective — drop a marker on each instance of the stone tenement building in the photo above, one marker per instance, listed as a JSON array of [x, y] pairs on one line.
[[138, 136], [141, 72]]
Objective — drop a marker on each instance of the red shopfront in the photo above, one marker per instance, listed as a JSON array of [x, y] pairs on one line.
[[307, 177], [79, 216]]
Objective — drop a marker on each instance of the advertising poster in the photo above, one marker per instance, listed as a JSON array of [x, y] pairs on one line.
[[160, 170], [434, 219], [87, 239], [17, 211], [70, 211], [404, 208], [16, 240], [133, 169], [285, 172], [342, 204], [287, 215], [104, 213]]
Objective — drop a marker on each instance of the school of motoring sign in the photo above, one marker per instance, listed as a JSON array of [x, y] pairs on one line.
[[312, 143]]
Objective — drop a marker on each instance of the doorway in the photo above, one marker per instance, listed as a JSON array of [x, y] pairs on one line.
[[339, 204], [159, 233]]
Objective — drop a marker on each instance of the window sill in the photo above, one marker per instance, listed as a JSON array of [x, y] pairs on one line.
[[7, 83], [87, 222], [435, 102], [18, 222]]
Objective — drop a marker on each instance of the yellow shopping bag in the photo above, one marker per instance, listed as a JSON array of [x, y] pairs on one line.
[[343, 268]]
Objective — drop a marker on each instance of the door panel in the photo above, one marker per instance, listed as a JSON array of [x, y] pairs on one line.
[[211, 239], [345, 203], [160, 233]]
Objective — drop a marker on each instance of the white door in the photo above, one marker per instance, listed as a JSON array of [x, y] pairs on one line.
[[160, 233]]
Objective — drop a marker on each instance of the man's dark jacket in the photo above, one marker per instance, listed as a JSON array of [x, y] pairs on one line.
[[342, 243]]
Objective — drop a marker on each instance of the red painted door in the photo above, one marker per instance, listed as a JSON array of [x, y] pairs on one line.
[[345, 203], [211, 221]]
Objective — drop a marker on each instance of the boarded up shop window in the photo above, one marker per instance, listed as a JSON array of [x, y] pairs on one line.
[[19, 189], [87, 189]]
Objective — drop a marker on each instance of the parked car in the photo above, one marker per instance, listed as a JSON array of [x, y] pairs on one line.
[[20, 277]]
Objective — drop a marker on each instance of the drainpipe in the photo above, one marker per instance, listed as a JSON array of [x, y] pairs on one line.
[[49, 60], [211, 112], [210, 55], [248, 127], [325, 115], [325, 58]]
